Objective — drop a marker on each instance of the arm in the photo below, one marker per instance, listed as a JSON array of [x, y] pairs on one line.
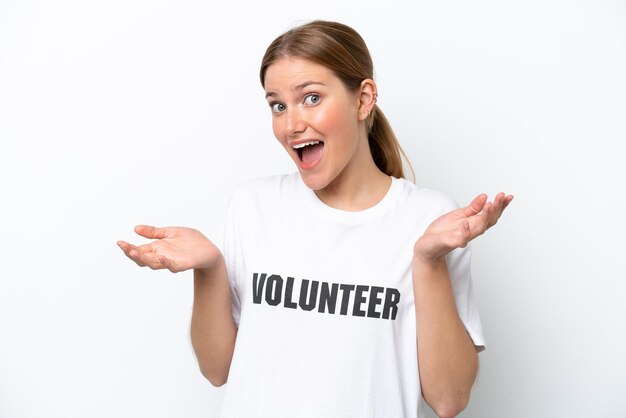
[[213, 330], [448, 362]]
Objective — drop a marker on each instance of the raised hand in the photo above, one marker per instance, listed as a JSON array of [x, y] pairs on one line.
[[175, 248], [457, 228]]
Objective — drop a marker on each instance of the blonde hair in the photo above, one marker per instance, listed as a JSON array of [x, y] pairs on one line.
[[342, 50]]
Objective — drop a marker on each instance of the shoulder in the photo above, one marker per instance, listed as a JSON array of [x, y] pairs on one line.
[[426, 200], [264, 189]]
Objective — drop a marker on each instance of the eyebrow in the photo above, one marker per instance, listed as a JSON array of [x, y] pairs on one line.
[[298, 87]]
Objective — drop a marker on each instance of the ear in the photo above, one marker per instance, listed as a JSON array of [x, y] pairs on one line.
[[368, 92]]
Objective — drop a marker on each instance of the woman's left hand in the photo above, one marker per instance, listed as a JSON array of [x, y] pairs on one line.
[[455, 229]]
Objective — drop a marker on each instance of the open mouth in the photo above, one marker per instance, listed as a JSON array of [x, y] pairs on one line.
[[309, 152]]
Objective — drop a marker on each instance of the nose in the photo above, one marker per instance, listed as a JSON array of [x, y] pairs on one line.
[[296, 123]]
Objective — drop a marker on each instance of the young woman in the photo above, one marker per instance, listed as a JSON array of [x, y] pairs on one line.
[[341, 290]]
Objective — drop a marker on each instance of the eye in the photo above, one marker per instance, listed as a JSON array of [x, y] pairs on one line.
[[312, 99], [277, 107]]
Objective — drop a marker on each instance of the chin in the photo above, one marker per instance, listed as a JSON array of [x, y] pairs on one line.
[[314, 181]]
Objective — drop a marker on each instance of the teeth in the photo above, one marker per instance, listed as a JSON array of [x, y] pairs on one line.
[[304, 144]]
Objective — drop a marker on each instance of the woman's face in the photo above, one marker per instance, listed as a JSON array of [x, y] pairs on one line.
[[316, 119]]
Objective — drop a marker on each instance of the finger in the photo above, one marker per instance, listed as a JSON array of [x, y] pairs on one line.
[[134, 255], [475, 206], [151, 260], [171, 265], [142, 249], [123, 245], [143, 255], [500, 203], [489, 215], [152, 232], [480, 223], [499, 200], [495, 210], [503, 199], [128, 248], [507, 200], [131, 252]]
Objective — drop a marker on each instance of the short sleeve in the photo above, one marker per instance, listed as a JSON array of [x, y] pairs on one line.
[[232, 252], [459, 268]]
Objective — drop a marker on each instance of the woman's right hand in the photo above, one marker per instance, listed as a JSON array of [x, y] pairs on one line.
[[175, 248]]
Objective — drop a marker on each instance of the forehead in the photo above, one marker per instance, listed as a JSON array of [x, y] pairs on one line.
[[290, 72]]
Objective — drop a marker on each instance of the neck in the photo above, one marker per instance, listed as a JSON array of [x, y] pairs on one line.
[[356, 190]]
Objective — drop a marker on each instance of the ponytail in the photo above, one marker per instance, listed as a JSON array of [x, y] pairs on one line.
[[384, 146]]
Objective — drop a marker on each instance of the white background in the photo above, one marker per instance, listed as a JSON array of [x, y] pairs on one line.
[[134, 111]]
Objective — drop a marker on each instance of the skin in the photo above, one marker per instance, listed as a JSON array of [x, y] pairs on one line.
[[448, 362], [213, 330], [308, 102]]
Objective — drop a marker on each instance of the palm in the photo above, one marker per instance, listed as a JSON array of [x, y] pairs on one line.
[[175, 248], [457, 228]]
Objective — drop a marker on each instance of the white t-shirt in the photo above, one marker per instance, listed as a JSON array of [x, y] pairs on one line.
[[323, 300]]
